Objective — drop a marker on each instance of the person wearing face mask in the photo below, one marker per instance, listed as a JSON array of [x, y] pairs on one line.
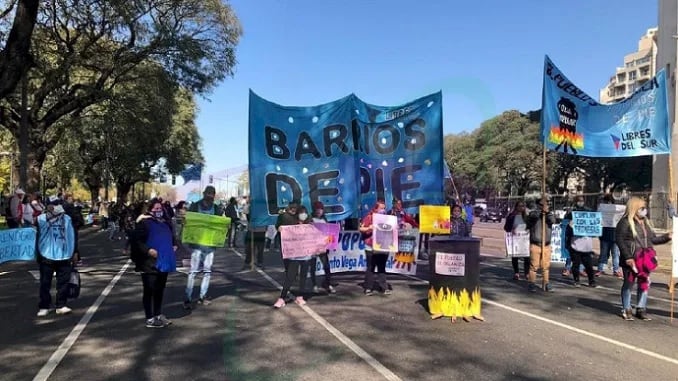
[[375, 259], [515, 223], [579, 247], [319, 218], [153, 245], [202, 254], [294, 267], [607, 246], [633, 233]]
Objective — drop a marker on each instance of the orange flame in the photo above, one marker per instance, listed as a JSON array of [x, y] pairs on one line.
[[558, 136]]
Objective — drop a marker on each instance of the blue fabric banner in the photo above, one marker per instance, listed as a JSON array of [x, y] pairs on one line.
[[17, 245], [574, 123], [345, 154], [194, 172]]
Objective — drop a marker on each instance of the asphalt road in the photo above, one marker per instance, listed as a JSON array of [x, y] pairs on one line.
[[569, 334]]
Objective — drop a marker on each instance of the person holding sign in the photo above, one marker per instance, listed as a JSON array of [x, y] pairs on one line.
[[375, 259], [635, 237], [202, 255], [459, 226], [294, 214], [319, 218], [153, 246], [516, 222], [579, 247], [56, 245], [539, 223], [607, 246]]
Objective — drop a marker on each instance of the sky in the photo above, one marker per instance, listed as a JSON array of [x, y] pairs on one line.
[[485, 55]]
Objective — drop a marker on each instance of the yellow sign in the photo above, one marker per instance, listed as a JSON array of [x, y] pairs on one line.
[[434, 219], [205, 229]]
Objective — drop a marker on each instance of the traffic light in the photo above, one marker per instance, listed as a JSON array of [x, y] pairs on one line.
[[211, 179]]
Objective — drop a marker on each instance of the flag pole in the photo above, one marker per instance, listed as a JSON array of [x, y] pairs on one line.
[[543, 203], [672, 288]]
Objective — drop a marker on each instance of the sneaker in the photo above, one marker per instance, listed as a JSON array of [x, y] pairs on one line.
[[593, 285], [388, 291], [619, 273], [516, 276], [204, 301], [63, 310], [576, 284], [280, 303], [331, 289], [599, 273], [548, 287], [316, 290], [368, 292], [300, 300], [43, 312], [187, 305], [532, 287], [627, 315], [642, 315], [154, 323], [164, 320], [566, 273]]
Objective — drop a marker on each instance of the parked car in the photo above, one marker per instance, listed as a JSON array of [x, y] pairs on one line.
[[490, 214]]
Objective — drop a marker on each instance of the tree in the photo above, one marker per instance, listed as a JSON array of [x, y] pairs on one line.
[[84, 49], [15, 57]]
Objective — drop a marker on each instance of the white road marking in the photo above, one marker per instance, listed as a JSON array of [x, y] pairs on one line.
[[35, 273], [5, 272], [374, 363], [571, 328], [68, 342]]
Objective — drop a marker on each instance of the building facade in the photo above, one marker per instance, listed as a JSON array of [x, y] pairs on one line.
[[638, 68]]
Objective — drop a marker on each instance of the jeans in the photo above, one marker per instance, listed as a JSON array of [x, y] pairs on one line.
[[607, 248], [63, 274], [154, 290], [206, 258], [641, 296], [375, 261], [325, 260]]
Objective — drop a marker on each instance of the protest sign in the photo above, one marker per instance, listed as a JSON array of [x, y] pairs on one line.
[[611, 214], [450, 264], [434, 219], [331, 231], [301, 240], [205, 229], [17, 245], [587, 224], [384, 233], [518, 244]]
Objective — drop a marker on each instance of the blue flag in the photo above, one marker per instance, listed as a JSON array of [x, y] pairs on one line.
[[574, 123], [346, 154], [194, 172]]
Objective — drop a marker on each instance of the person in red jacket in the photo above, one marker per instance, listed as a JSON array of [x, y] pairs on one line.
[[403, 216]]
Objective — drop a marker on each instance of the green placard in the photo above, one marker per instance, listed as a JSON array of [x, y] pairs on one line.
[[205, 229]]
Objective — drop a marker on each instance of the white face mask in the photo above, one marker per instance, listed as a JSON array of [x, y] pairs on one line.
[[642, 213], [303, 216], [580, 203]]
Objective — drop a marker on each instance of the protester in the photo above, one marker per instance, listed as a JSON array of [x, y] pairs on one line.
[[232, 213], [516, 222], [459, 226], [202, 255], [608, 248], [375, 259], [319, 218], [634, 232], [540, 237], [579, 247], [15, 215], [405, 220], [153, 251], [294, 267], [56, 245]]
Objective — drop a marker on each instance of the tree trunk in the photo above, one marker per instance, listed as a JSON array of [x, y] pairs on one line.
[[94, 185], [123, 190], [16, 57]]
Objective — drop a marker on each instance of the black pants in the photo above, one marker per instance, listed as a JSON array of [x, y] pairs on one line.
[[291, 272], [325, 260], [375, 261], [526, 265], [154, 289], [259, 241], [229, 235], [63, 274], [578, 258]]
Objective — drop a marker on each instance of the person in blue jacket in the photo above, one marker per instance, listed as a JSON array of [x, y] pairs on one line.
[[56, 245], [153, 247]]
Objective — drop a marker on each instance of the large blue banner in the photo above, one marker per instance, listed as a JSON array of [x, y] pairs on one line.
[[17, 245], [346, 154], [574, 123]]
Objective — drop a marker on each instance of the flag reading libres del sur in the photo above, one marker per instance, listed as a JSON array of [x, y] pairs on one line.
[[574, 123], [346, 154]]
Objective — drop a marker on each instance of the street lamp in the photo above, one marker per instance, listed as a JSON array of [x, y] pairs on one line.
[[11, 167]]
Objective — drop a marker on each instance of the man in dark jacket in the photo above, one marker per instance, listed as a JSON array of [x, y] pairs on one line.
[[232, 213], [539, 223]]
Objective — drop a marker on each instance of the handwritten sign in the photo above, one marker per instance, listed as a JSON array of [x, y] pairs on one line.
[[587, 224], [205, 229], [331, 232], [558, 252], [384, 233], [611, 214], [434, 219], [450, 264], [17, 245], [301, 241], [518, 244], [674, 249]]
